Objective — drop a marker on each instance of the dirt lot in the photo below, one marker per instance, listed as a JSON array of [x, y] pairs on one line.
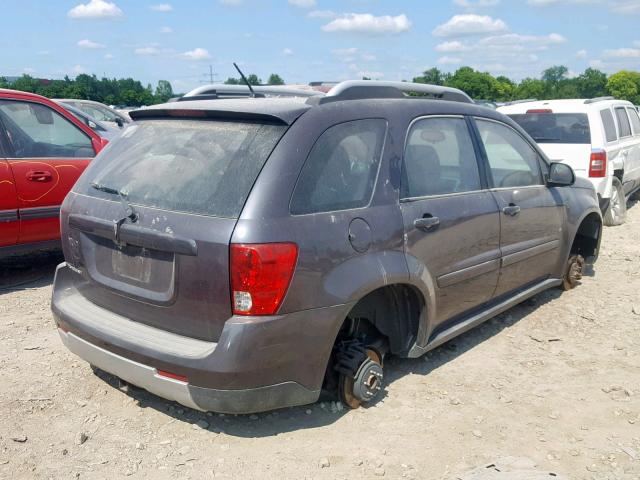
[[554, 382]]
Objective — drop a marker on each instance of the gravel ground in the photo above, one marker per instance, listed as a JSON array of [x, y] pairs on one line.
[[552, 385]]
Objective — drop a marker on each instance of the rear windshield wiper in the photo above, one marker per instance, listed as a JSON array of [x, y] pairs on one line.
[[129, 211]]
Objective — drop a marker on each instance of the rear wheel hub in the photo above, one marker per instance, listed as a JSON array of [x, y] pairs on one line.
[[361, 374]]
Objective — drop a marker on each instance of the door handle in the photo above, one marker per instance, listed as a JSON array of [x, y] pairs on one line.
[[39, 176], [426, 223], [511, 210]]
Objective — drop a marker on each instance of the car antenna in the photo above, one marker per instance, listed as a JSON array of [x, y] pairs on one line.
[[244, 79]]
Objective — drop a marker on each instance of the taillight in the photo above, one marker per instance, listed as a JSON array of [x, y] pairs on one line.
[[540, 110], [598, 163], [260, 275]]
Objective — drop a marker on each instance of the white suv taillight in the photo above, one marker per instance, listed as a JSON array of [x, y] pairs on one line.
[[598, 163]]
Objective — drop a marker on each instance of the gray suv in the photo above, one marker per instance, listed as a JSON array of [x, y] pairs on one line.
[[242, 255]]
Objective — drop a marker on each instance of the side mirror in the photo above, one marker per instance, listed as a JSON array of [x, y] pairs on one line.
[[119, 122], [560, 175]]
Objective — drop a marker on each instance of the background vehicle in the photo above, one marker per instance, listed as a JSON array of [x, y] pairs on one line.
[[43, 151], [97, 111], [103, 129], [219, 91], [309, 239], [599, 138]]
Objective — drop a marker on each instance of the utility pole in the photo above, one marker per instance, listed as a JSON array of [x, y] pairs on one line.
[[212, 76]]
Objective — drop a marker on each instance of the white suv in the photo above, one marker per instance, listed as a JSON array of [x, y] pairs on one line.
[[599, 138]]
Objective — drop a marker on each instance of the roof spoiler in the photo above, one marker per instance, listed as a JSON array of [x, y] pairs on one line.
[[598, 99]]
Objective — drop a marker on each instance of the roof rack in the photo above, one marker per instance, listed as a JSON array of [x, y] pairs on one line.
[[362, 89], [217, 91], [598, 99]]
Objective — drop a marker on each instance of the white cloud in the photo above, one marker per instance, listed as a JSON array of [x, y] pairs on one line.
[[345, 52], [447, 60], [232, 3], [470, 24], [78, 69], [89, 45], [476, 4], [109, 56], [161, 7], [515, 40], [95, 9], [623, 53], [287, 52], [581, 53], [544, 3], [368, 24], [597, 64], [368, 57], [369, 74], [322, 14], [452, 46], [303, 3], [623, 7], [146, 51], [44, 53], [166, 30], [197, 54]]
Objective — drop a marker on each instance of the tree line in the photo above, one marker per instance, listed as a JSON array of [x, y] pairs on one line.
[[555, 82]]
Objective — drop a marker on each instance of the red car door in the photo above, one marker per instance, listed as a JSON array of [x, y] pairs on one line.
[[47, 153], [9, 225]]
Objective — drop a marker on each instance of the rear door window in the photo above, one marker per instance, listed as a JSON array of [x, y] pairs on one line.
[[202, 167], [623, 122], [555, 127], [609, 125], [439, 159], [512, 161], [37, 131], [342, 168], [635, 120]]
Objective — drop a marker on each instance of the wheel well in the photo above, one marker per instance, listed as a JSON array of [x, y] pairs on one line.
[[392, 311], [587, 237], [619, 174]]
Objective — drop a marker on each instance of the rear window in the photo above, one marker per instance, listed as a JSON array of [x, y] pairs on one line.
[[623, 122], [635, 121], [609, 126], [555, 127], [201, 167]]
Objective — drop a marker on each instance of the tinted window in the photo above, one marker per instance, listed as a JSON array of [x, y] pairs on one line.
[[623, 122], [203, 167], [439, 159], [635, 121], [609, 126], [341, 169], [513, 162], [556, 127], [35, 130]]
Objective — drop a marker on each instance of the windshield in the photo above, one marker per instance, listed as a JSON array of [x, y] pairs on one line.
[[202, 167], [556, 127]]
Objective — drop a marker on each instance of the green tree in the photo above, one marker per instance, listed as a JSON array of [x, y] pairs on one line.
[[530, 88], [432, 76], [591, 83], [625, 85], [478, 85], [4, 83], [164, 91], [275, 79], [232, 81], [253, 79]]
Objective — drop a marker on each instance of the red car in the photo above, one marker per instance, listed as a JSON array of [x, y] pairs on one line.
[[43, 151]]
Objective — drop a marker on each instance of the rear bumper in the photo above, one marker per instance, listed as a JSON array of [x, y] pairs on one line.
[[258, 363]]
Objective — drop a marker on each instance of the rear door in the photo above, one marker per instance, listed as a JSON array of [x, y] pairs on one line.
[[149, 224], [47, 153], [634, 146], [532, 215], [9, 226], [451, 222], [627, 143]]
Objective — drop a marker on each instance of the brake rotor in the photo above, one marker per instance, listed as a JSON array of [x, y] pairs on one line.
[[366, 384]]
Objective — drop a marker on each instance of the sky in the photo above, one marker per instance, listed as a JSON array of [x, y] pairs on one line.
[[314, 40]]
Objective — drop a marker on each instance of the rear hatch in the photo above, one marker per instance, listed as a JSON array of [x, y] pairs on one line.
[[564, 137], [149, 223]]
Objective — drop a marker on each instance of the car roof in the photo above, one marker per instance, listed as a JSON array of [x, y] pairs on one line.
[[563, 106], [8, 91]]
